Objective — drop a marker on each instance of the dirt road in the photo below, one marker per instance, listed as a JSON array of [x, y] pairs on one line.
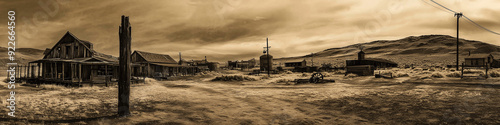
[[361, 100]]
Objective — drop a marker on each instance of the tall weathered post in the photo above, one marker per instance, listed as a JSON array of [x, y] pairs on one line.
[[124, 75], [458, 15], [269, 65]]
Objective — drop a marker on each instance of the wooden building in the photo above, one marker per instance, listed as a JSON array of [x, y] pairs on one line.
[[479, 60], [72, 60], [302, 63], [158, 65], [366, 66], [375, 62], [242, 64]]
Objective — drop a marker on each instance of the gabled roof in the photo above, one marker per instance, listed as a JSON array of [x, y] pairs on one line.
[[475, 56], [154, 57], [46, 51], [85, 43], [381, 60]]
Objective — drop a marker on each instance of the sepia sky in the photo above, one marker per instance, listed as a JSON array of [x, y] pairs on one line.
[[237, 29]]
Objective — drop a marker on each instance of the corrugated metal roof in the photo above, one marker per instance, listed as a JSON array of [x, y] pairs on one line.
[[167, 65], [478, 56], [157, 58]]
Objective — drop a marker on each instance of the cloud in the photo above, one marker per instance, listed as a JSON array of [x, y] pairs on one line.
[[236, 29]]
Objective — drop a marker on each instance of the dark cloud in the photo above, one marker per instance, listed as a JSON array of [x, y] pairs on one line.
[[236, 29]]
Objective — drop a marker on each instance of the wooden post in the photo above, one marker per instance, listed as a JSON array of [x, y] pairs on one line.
[[62, 72], [124, 80], [106, 75], [80, 73], [25, 72], [39, 68], [55, 70]]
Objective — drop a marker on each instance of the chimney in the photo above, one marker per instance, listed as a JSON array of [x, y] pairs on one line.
[[205, 58], [469, 52]]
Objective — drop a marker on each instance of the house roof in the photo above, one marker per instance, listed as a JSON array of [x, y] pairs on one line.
[[85, 43], [478, 56], [47, 50], [381, 60], [154, 57]]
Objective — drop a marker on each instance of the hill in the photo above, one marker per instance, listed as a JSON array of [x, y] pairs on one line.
[[23, 55], [430, 50]]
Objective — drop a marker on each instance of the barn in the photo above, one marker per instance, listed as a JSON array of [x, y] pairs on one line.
[[366, 66]]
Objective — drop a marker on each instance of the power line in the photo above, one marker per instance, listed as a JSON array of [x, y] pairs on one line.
[[443, 6], [468, 19], [439, 8], [481, 26]]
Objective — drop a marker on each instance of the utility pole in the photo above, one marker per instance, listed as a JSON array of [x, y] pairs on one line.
[[268, 60], [124, 70], [312, 60], [458, 15]]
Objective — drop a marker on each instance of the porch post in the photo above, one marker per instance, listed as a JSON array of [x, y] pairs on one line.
[[80, 72], [62, 72]]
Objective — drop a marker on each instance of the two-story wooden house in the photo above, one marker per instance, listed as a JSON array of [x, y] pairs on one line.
[[72, 60]]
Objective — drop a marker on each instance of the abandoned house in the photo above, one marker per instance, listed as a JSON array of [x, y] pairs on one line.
[[241, 64], [158, 65], [302, 63], [375, 62], [72, 60], [479, 60], [366, 66]]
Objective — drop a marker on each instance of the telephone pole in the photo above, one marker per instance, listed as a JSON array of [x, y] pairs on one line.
[[312, 60], [268, 59], [458, 15], [124, 69]]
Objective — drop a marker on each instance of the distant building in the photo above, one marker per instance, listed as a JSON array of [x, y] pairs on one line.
[[375, 62], [302, 63], [205, 65], [157, 65], [366, 66], [242, 64], [266, 63], [479, 60]]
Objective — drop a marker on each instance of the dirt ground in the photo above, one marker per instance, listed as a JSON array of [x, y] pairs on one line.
[[267, 100]]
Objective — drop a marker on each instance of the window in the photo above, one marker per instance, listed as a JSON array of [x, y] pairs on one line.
[[75, 52], [58, 52], [68, 49]]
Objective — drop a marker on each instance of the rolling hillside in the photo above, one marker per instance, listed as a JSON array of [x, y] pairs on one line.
[[23, 55], [430, 50]]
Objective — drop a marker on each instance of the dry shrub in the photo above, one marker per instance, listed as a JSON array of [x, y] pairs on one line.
[[284, 81], [424, 77], [339, 72], [400, 74], [453, 74], [52, 87], [233, 78], [418, 69], [351, 75], [495, 74], [437, 75], [305, 75]]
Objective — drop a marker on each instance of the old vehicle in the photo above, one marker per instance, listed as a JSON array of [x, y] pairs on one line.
[[315, 78]]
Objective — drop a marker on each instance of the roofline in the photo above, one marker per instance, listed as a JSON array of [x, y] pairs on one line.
[[53, 47]]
